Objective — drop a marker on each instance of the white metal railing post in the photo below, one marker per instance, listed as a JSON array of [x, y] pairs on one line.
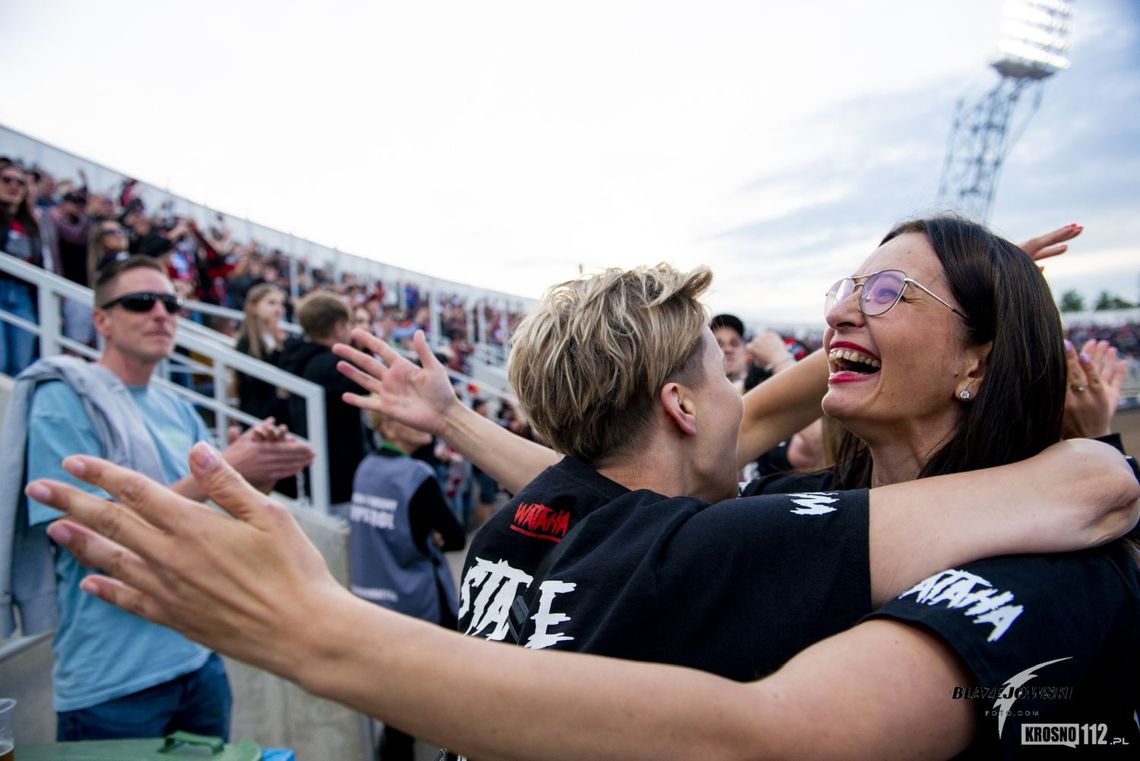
[[318, 439], [435, 309], [49, 305], [222, 421]]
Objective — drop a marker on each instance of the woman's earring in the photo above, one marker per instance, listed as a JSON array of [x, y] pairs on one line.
[[964, 394]]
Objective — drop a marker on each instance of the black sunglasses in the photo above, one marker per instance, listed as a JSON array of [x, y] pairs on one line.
[[144, 302]]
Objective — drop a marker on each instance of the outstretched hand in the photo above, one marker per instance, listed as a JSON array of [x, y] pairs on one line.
[[1051, 243], [1096, 381], [233, 585], [420, 397]]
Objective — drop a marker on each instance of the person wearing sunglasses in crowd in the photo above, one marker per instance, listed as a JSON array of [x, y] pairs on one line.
[[19, 236], [735, 588], [116, 675]]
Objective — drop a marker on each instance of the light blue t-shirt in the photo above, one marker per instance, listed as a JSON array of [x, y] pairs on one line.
[[101, 652]]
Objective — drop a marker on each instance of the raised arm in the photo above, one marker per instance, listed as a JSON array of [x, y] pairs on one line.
[[422, 397], [256, 589], [780, 406], [1076, 494]]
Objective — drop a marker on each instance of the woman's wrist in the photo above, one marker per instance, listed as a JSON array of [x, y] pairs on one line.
[[779, 362]]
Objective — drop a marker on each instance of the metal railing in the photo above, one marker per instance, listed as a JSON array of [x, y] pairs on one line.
[[488, 372], [220, 358], [434, 291]]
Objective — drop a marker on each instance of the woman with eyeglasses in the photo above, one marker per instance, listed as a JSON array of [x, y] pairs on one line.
[[944, 354], [20, 237]]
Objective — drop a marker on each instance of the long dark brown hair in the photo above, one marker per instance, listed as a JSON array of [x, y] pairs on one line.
[[1017, 409], [250, 327], [24, 213]]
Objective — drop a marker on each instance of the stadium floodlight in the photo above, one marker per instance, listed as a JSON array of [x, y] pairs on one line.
[[1034, 46]]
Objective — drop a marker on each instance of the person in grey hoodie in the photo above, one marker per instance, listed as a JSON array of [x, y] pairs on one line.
[[115, 675]]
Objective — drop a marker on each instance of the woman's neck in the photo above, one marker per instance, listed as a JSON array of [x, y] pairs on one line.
[[900, 458]]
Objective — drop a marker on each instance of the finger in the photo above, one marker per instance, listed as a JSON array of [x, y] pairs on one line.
[[97, 551], [121, 595], [1055, 250], [1091, 371], [151, 501], [1035, 247], [376, 346], [1120, 372], [225, 486], [233, 433], [1089, 347], [89, 516], [362, 402], [365, 380], [1106, 361], [366, 362], [424, 352], [352, 354], [1073, 361], [1101, 350]]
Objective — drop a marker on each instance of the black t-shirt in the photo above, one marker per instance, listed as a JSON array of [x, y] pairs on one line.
[[1063, 628], [510, 547], [734, 588]]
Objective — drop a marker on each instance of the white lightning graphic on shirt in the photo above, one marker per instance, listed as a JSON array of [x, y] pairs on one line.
[[814, 502], [1004, 704]]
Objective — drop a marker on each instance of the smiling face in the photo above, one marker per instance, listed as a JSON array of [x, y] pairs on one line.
[[896, 376]]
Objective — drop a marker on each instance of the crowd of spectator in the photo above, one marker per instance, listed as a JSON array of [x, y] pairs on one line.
[[1126, 337], [74, 230], [78, 228]]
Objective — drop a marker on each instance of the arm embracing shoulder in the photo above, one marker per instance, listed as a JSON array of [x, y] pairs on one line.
[[1074, 495]]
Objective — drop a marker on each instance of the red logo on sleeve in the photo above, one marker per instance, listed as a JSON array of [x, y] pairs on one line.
[[540, 522]]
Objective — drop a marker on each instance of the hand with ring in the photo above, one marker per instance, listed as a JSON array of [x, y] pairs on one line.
[[1096, 379]]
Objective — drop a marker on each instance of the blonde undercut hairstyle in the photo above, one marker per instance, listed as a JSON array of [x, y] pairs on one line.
[[588, 363]]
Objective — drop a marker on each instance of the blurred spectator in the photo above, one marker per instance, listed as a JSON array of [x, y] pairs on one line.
[[72, 228], [729, 332], [362, 319], [486, 488], [1125, 337], [43, 188], [262, 337], [326, 320], [397, 526], [20, 237]]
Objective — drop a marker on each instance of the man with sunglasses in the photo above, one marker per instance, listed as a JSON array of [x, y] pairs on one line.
[[115, 675]]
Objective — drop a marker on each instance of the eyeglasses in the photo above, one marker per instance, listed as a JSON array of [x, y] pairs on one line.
[[145, 301], [112, 231], [881, 291]]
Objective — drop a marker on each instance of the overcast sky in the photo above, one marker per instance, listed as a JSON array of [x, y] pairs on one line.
[[506, 144]]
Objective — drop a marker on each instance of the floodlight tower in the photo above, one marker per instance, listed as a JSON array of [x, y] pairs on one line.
[[1033, 48]]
